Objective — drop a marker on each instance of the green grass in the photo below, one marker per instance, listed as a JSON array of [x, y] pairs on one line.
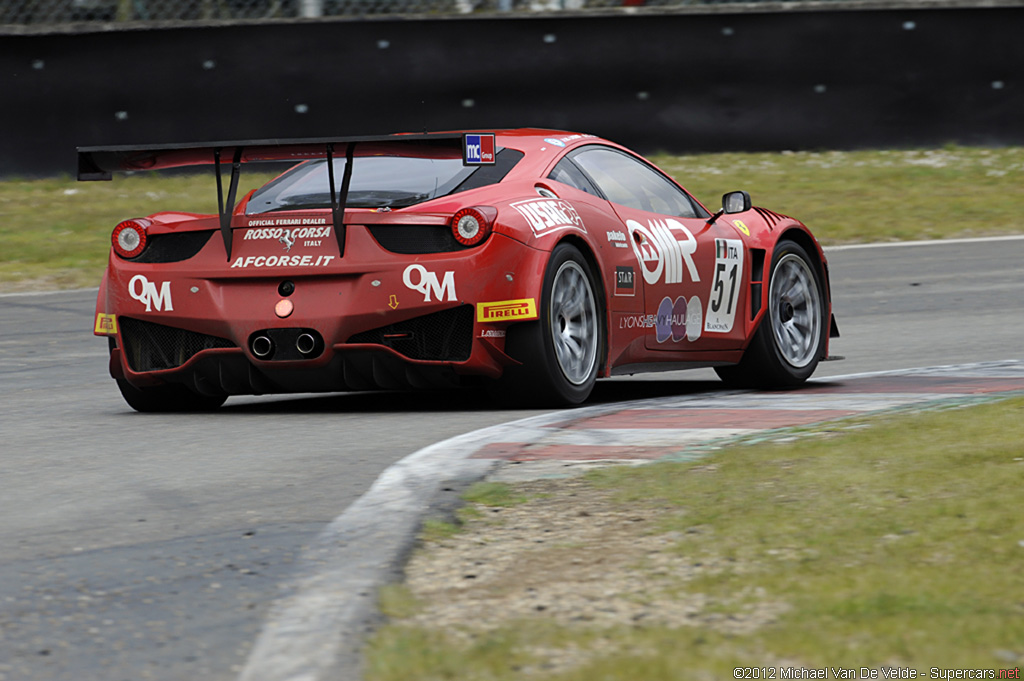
[[867, 196], [899, 543], [55, 233]]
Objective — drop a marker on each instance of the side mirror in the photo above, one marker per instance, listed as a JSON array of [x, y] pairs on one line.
[[736, 202]]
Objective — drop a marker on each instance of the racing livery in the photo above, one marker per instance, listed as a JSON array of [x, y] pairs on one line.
[[533, 261]]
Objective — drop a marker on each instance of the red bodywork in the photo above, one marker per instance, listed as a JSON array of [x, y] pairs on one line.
[[370, 310]]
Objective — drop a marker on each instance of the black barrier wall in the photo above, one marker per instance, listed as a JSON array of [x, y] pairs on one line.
[[673, 82]]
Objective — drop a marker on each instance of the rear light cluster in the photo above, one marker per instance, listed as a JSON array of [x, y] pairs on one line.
[[129, 237], [472, 226]]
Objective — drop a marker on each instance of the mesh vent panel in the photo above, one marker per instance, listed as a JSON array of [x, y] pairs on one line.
[[150, 347], [441, 336]]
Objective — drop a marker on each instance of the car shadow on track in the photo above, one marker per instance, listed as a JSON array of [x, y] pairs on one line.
[[461, 400]]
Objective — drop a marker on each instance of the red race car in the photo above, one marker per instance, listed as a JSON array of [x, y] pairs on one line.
[[535, 261]]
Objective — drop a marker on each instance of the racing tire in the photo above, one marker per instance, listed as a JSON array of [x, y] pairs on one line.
[[172, 397], [790, 340], [561, 351]]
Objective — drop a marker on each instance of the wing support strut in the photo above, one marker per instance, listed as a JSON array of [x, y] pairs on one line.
[[339, 199], [224, 208]]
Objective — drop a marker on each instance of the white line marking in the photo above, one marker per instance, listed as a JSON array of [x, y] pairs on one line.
[[934, 242]]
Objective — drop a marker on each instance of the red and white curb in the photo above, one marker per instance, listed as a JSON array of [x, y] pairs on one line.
[[684, 427], [316, 630]]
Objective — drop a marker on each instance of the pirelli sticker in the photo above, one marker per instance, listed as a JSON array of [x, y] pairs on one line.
[[506, 310], [105, 324]]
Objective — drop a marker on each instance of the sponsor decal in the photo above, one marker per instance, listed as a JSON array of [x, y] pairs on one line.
[[282, 261], [492, 333], [288, 236], [638, 321], [426, 282], [624, 281], [506, 310], [478, 149], [562, 141], [678, 319], [147, 293], [725, 286], [660, 252], [738, 224], [618, 239], [547, 215], [285, 222], [106, 323]]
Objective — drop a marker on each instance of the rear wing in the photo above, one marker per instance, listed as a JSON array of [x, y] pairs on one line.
[[99, 163]]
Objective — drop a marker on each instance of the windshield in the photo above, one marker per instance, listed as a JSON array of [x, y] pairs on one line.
[[377, 182]]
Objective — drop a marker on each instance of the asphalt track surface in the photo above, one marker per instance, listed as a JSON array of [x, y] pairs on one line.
[[156, 547]]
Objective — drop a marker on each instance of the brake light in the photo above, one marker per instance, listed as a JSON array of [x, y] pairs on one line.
[[472, 226], [129, 238]]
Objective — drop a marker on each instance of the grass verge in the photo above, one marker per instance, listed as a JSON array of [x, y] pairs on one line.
[[55, 233], [893, 541]]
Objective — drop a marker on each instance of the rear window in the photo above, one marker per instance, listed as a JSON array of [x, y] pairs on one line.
[[378, 182]]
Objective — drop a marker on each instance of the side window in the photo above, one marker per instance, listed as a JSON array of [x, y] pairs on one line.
[[631, 183], [567, 173]]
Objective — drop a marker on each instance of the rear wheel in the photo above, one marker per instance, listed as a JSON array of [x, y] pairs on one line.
[[789, 342], [172, 397], [560, 351]]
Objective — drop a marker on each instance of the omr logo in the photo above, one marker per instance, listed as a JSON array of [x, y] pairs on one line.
[[659, 251], [146, 292]]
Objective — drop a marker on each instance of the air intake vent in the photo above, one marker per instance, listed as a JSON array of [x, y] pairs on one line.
[[151, 347], [445, 336]]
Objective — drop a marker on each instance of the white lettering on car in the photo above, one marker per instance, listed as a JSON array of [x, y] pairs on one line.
[[546, 215], [660, 251], [428, 282], [282, 261], [147, 293]]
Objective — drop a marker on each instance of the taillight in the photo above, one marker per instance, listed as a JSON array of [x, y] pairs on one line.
[[471, 226], [129, 238]]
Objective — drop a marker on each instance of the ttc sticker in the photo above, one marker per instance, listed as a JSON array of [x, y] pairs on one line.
[[106, 324]]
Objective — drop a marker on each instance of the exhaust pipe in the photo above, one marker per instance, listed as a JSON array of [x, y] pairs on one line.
[[262, 346], [305, 343]]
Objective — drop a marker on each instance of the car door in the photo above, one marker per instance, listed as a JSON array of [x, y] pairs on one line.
[[692, 273]]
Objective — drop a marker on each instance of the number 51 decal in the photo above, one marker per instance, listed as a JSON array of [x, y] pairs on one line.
[[725, 286]]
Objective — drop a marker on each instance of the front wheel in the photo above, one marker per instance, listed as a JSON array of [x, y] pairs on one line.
[[561, 351], [789, 342]]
